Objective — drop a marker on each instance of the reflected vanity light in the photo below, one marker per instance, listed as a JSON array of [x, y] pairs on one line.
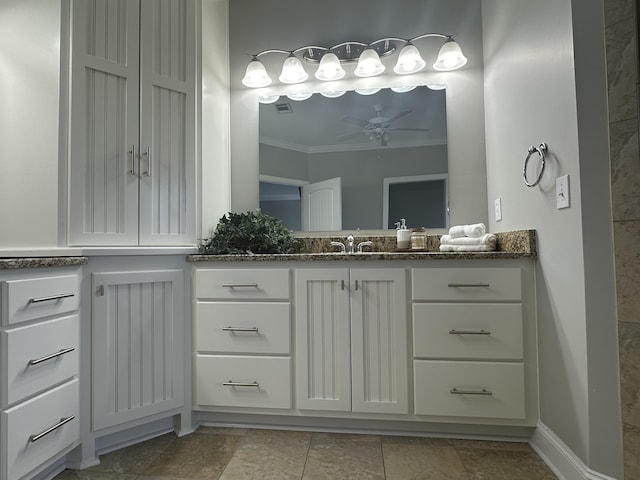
[[298, 97], [367, 91], [333, 94], [436, 86], [403, 89], [330, 60], [267, 99]]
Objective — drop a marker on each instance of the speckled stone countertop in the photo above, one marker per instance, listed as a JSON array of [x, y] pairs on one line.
[[41, 262], [516, 244]]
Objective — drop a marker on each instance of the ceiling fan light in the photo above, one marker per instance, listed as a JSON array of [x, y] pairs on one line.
[[367, 91], [330, 68], [369, 64], [298, 97], [409, 60], [450, 57], [333, 94], [403, 89], [256, 75], [293, 71]]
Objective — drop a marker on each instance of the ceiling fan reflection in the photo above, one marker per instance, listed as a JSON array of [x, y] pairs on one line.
[[377, 128]]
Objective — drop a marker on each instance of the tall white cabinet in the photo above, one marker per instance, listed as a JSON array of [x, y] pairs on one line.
[[132, 169]]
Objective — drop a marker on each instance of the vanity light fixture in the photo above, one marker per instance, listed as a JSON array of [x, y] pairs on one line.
[[267, 99], [367, 91], [333, 94], [298, 97], [403, 89], [330, 60]]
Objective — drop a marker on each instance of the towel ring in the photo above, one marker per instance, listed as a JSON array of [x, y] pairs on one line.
[[541, 149]]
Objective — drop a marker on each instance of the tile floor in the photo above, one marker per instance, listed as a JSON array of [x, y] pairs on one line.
[[247, 454]]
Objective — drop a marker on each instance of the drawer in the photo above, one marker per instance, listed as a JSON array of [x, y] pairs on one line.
[[268, 381], [469, 389], [34, 417], [468, 331], [232, 327], [38, 356], [32, 298], [466, 284], [249, 284]]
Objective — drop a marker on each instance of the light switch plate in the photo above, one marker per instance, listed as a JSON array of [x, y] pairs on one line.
[[498, 209], [562, 192]]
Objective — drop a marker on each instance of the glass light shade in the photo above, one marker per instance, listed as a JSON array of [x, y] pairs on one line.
[[330, 68], [409, 60], [403, 89], [293, 71], [450, 57], [436, 86], [369, 64], [298, 97], [333, 94], [367, 91], [256, 75], [266, 99]]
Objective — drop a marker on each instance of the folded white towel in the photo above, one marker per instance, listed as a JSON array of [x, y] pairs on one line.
[[486, 239], [467, 248], [474, 230]]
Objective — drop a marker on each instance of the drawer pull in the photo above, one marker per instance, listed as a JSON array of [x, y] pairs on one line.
[[62, 422], [51, 356], [469, 332], [468, 285], [51, 298], [231, 383], [240, 329], [457, 391], [240, 285]]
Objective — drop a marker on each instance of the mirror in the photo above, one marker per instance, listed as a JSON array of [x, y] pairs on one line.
[[386, 151]]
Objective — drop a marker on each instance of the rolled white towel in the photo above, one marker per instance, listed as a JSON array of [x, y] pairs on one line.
[[467, 248], [474, 230], [486, 239]]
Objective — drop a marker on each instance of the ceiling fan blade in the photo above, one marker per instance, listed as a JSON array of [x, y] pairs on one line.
[[349, 136], [410, 129], [399, 115], [354, 120]]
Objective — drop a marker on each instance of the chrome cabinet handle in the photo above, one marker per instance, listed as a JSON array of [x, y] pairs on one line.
[[469, 332], [240, 285], [51, 298], [132, 160], [148, 155], [468, 285], [63, 421], [51, 356], [240, 329], [462, 391], [231, 383]]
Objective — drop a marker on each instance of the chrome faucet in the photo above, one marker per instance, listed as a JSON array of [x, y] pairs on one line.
[[350, 244], [364, 244], [339, 244]]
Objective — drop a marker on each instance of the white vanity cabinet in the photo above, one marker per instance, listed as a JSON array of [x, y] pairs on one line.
[[242, 338], [39, 352], [132, 166], [351, 340], [473, 343]]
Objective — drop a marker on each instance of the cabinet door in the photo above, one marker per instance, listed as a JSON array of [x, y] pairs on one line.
[[379, 352], [322, 339], [167, 135], [137, 345], [103, 184]]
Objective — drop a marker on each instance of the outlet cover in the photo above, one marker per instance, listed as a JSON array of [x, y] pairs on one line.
[[562, 192], [498, 209]]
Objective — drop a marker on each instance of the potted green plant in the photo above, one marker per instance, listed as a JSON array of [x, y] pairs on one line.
[[246, 233]]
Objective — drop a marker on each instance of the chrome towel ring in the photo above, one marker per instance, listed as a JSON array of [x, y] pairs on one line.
[[541, 150]]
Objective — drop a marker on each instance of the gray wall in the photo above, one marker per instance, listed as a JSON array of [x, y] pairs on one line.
[[544, 81], [285, 163], [256, 26]]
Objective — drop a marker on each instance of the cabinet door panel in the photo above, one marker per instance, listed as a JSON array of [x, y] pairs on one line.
[[322, 340], [137, 345], [103, 191], [379, 341]]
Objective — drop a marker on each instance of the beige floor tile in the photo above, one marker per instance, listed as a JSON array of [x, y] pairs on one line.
[[344, 457], [195, 457], [134, 459], [269, 455], [488, 464], [422, 462]]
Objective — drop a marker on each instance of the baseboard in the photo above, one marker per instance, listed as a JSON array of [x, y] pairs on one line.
[[559, 458]]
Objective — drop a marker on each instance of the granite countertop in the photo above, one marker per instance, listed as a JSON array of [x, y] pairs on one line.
[[510, 245], [41, 262]]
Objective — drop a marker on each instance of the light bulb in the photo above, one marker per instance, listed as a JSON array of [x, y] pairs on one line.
[[330, 68], [450, 57], [409, 60]]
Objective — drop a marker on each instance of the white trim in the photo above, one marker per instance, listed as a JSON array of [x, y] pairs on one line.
[[283, 180], [564, 463]]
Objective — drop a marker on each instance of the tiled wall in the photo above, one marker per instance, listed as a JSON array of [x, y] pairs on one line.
[[621, 31]]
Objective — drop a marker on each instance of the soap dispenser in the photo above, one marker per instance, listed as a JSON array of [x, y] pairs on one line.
[[403, 235]]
